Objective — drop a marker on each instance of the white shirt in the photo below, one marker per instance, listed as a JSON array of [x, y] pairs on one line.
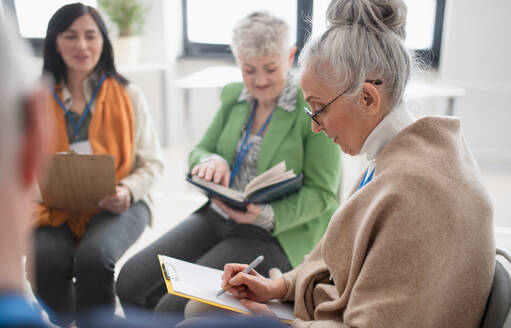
[[395, 121]]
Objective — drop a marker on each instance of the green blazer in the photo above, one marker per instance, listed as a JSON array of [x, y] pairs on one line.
[[302, 217]]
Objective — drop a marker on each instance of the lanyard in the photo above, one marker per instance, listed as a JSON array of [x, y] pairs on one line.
[[366, 178], [78, 124], [245, 145]]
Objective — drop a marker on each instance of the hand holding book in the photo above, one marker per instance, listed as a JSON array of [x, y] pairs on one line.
[[243, 216], [213, 170], [271, 185]]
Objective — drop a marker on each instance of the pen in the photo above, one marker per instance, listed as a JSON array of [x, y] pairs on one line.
[[250, 267]]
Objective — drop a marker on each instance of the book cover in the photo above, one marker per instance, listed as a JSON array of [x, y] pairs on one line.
[[271, 185]]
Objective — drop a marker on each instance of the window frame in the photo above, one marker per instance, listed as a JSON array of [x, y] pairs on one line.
[[430, 57]]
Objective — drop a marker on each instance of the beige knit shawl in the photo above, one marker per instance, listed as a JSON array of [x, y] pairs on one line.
[[413, 248]]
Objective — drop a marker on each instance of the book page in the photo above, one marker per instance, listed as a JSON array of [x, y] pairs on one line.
[[201, 283], [231, 193], [274, 180], [274, 175]]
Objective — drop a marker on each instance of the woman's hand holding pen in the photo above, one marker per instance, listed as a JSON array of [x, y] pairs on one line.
[[213, 170], [247, 217], [251, 286]]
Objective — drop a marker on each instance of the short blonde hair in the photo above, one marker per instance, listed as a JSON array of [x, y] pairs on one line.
[[258, 34]]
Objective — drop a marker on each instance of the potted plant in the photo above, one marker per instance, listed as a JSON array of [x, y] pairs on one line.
[[128, 15]]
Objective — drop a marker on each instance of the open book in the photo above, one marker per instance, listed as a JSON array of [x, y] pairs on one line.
[[200, 283], [270, 185], [76, 182]]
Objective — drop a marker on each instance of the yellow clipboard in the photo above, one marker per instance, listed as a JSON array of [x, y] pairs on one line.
[[202, 284]]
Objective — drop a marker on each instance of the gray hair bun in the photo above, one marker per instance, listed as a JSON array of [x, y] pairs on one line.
[[364, 40], [376, 15]]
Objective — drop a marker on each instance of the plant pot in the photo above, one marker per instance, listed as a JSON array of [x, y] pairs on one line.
[[126, 50]]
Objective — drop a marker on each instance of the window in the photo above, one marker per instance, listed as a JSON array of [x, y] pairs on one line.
[[207, 34], [32, 17], [421, 29]]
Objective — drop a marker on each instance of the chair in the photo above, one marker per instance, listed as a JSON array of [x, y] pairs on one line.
[[498, 307]]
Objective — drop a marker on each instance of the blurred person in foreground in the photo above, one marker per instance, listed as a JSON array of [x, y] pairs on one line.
[[24, 132]]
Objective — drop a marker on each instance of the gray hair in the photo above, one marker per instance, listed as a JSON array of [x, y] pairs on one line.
[[16, 80], [258, 34], [364, 40]]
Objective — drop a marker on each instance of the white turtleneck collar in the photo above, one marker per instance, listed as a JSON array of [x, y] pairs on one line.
[[395, 121]]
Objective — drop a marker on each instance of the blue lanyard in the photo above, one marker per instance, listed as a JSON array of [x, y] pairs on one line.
[[78, 124], [245, 145], [366, 179]]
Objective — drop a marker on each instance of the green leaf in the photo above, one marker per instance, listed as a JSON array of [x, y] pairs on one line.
[[128, 15]]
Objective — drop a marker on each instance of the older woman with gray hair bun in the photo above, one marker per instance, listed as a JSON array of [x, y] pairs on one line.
[[259, 124], [413, 244]]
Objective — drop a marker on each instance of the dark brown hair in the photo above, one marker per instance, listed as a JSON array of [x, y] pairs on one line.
[[60, 22]]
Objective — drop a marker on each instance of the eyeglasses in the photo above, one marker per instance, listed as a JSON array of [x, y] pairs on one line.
[[322, 109]]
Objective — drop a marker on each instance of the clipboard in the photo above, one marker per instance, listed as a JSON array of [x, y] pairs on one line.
[[77, 182], [200, 283]]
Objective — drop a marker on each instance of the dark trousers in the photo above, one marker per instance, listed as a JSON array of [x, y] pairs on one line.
[[71, 277], [205, 238]]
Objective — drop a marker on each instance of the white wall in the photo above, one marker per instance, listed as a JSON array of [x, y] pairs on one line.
[[152, 73], [152, 45], [475, 54]]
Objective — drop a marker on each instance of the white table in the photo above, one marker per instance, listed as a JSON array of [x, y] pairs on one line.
[[210, 77]]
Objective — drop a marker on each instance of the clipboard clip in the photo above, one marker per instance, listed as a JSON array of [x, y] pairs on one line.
[[169, 272], [69, 152]]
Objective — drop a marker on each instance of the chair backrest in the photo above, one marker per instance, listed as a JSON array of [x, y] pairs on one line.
[[498, 307]]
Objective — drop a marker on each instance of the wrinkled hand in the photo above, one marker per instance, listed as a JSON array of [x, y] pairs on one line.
[[247, 217], [251, 286], [119, 202], [214, 170]]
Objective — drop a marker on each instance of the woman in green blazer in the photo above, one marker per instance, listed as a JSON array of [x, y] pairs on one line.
[[260, 123]]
